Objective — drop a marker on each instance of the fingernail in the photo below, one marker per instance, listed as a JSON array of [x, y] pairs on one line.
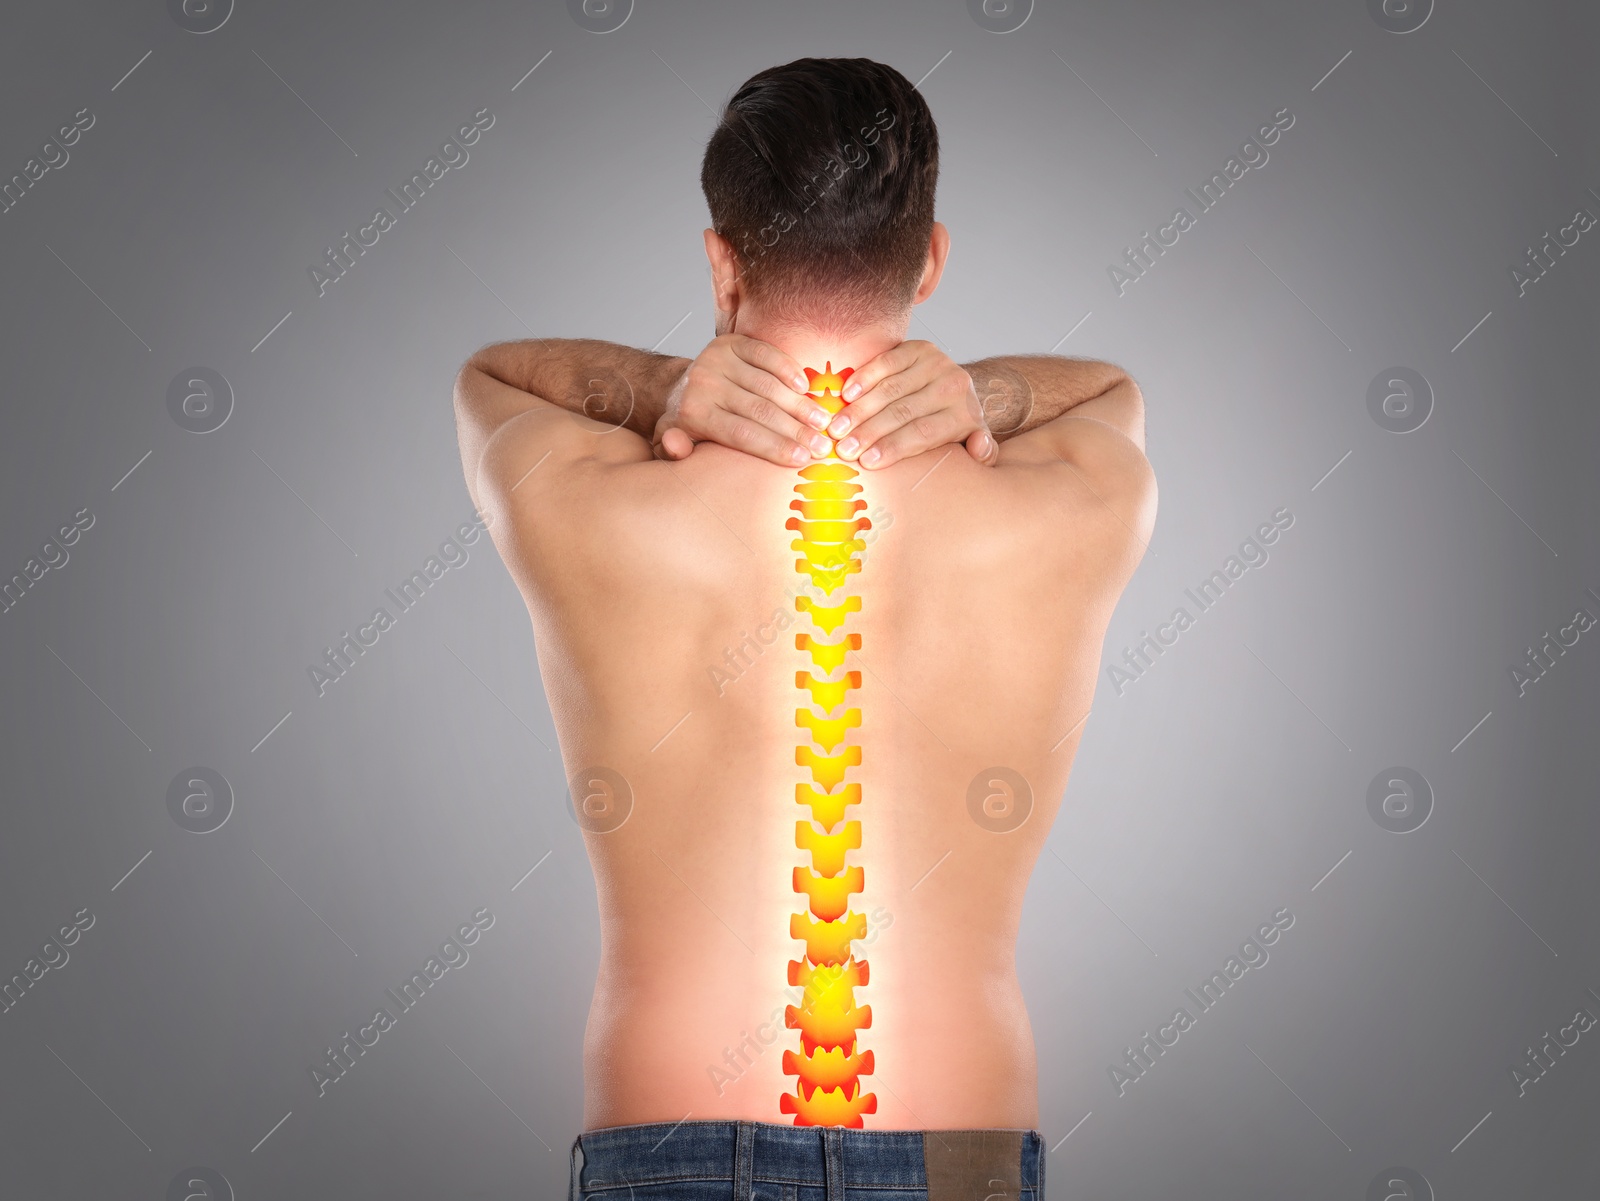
[[802, 384], [798, 456], [818, 416], [851, 391], [848, 447], [871, 457], [840, 426], [820, 446]]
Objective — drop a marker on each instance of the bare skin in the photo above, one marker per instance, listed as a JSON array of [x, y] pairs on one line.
[[661, 594]]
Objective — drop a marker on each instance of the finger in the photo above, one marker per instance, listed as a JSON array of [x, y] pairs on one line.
[[762, 388], [771, 360], [983, 448], [770, 416], [889, 362], [901, 386], [741, 433], [947, 394], [925, 407], [922, 433], [674, 443]]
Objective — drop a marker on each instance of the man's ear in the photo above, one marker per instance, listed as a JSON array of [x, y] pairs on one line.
[[725, 286], [933, 267]]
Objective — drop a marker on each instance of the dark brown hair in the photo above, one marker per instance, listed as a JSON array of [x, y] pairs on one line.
[[821, 174]]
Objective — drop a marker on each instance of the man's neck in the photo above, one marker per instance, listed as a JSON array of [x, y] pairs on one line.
[[814, 348]]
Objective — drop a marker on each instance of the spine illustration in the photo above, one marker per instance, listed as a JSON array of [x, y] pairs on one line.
[[829, 1064]]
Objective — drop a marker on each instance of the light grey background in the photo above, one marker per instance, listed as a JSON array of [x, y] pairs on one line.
[[1228, 782]]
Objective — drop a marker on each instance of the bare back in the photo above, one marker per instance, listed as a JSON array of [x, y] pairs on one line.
[[663, 602]]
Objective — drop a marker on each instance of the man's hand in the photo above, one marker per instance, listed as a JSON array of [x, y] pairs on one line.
[[745, 394], [909, 399], [749, 395]]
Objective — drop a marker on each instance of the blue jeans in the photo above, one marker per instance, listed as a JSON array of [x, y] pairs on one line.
[[762, 1161]]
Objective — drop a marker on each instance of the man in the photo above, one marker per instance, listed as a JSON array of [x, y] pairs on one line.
[[651, 539]]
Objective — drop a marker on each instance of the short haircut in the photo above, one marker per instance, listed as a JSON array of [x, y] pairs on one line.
[[821, 174]]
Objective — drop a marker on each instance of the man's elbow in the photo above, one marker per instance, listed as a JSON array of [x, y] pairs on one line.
[[510, 363], [476, 379], [1119, 405], [469, 378], [468, 401], [1134, 407]]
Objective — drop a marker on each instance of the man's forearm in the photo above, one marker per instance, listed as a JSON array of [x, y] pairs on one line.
[[1021, 392], [605, 381]]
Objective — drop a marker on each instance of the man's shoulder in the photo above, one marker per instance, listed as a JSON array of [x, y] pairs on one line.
[[1090, 463], [1087, 456], [549, 453], [617, 501], [1094, 504]]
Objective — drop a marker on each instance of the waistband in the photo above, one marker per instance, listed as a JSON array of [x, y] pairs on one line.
[[831, 1158]]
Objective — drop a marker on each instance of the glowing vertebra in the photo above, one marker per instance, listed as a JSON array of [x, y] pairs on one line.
[[827, 808], [828, 770], [828, 694], [826, 655], [828, 618], [827, 850], [827, 732], [828, 1066]]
